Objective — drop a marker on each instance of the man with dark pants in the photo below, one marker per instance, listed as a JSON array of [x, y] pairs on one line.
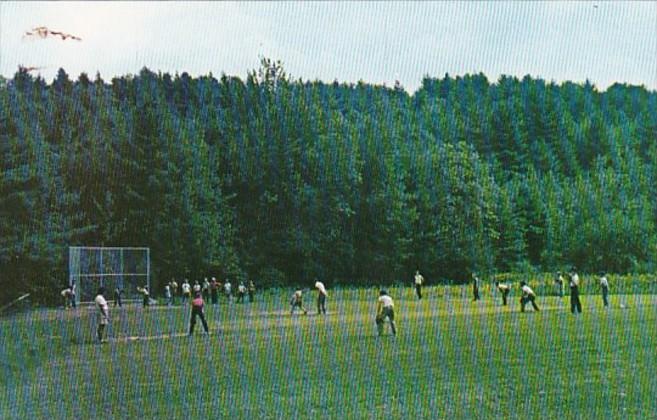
[[214, 290], [528, 295], [385, 309], [575, 304], [418, 284], [197, 310], [504, 289], [251, 290], [103, 313], [475, 287], [321, 297], [604, 284]]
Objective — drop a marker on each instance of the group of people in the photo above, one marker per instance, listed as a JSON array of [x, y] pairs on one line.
[[527, 294], [296, 301], [209, 290], [574, 283]]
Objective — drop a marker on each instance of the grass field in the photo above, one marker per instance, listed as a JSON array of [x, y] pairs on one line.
[[452, 359]]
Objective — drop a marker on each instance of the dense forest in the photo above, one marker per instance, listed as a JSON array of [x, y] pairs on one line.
[[281, 180]]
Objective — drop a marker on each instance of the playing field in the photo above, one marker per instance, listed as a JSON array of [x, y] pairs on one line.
[[451, 359]]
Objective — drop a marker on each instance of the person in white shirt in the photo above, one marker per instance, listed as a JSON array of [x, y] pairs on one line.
[[227, 289], [241, 292], [321, 297], [196, 288], [167, 294], [297, 302], [604, 284], [67, 294], [385, 308], [103, 313], [528, 295], [559, 281], [146, 296], [504, 290], [174, 290], [186, 291], [205, 287], [575, 303], [419, 280]]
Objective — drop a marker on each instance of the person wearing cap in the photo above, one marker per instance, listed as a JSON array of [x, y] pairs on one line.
[[475, 287], [575, 303], [103, 313], [604, 285], [197, 311], [504, 290], [528, 295], [321, 297], [297, 302], [560, 282], [419, 280], [385, 308], [214, 290]]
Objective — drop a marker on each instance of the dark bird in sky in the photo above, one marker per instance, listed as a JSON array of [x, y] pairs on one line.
[[44, 32]]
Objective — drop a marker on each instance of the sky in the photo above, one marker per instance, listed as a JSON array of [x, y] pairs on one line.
[[377, 42]]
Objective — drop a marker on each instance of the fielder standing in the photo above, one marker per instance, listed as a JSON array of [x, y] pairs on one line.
[[419, 280], [103, 313]]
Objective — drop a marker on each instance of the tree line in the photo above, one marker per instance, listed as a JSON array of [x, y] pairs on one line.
[[282, 180]]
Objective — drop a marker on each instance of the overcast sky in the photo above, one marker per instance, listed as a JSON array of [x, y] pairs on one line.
[[605, 42]]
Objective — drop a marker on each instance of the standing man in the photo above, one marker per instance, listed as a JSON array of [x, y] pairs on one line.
[[297, 302], [321, 297], [559, 281], [213, 290], [604, 284], [117, 297], [385, 308], [251, 290], [241, 292], [197, 310], [196, 288], [504, 290], [419, 280], [575, 304], [167, 294], [174, 290], [145, 295], [206, 289], [186, 291], [103, 313], [227, 289], [475, 287], [528, 295]]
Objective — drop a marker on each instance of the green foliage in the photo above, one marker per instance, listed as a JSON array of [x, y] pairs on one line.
[[282, 181]]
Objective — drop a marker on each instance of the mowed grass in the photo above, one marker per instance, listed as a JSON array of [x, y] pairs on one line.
[[452, 359]]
